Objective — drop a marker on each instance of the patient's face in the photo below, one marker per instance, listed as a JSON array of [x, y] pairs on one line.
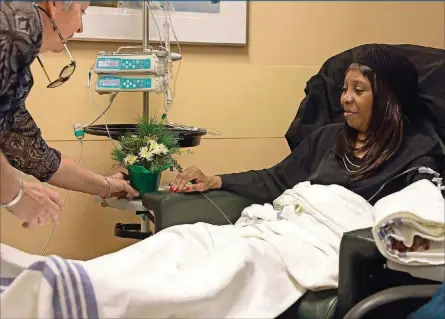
[[356, 100]]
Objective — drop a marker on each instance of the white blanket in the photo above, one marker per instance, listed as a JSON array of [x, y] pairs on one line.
[[416, 211], [254, 269]]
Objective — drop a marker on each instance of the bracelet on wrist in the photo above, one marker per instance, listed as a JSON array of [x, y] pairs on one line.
[[109, 189], [16, 199]]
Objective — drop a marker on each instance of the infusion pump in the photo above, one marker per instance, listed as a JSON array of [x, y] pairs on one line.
[[131, 72], [129, 83], [110, 63]]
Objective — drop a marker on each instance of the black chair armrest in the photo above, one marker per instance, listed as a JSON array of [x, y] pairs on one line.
[[359, 261], [363, 271], [391, 295], [188, 208]]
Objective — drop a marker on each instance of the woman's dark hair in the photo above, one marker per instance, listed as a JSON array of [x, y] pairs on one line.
[[385, 131]]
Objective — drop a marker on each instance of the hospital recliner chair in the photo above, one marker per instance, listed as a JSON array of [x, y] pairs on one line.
[[363, 271]]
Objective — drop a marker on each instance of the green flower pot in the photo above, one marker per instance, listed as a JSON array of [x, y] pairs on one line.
[[143, 180]]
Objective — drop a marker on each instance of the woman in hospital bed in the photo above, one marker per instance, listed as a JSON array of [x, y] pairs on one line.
[[260, 266]]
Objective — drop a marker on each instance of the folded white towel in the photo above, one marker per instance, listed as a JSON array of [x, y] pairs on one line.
[[409, 225]]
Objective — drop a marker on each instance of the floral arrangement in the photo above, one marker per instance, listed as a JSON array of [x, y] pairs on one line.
[[154, 146]]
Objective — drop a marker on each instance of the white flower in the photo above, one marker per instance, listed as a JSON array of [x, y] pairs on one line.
[[152, 143], [154, 147], [145, 153], [163, 149], [130, 159]]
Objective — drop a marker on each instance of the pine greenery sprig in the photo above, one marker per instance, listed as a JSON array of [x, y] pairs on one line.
[[154, 146]]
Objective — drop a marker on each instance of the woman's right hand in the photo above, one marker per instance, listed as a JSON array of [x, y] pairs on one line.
[[200, 181], [37, 205]]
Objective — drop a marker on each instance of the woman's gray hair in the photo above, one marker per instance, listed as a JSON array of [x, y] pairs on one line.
[[67, 5]]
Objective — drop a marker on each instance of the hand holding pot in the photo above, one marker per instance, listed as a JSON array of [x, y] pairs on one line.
[[120, 186]]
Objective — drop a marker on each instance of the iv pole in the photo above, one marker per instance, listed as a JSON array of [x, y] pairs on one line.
[[145, 222], [128, 230], [145, 44]]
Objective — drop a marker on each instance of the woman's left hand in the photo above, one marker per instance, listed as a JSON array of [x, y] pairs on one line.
[[120, 186]]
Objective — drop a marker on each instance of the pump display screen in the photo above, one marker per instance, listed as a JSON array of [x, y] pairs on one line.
[[119, 83], [109, 63], [110, 83], [128, 63]]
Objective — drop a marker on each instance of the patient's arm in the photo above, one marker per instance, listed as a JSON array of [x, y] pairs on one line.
[[264, 185], [267, 184]]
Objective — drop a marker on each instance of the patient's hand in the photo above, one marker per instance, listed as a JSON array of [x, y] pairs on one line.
[[200, 181]]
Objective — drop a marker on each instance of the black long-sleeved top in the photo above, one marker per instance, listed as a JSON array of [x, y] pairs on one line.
[[314, 160]]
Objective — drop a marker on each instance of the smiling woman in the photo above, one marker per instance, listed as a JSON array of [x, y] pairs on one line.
[[357, 98], [379, 88], [377, 146]]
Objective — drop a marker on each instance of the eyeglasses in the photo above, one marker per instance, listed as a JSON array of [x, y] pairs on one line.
[[69, 69]]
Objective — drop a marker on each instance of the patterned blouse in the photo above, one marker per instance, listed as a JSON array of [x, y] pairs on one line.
[[20, 139]]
